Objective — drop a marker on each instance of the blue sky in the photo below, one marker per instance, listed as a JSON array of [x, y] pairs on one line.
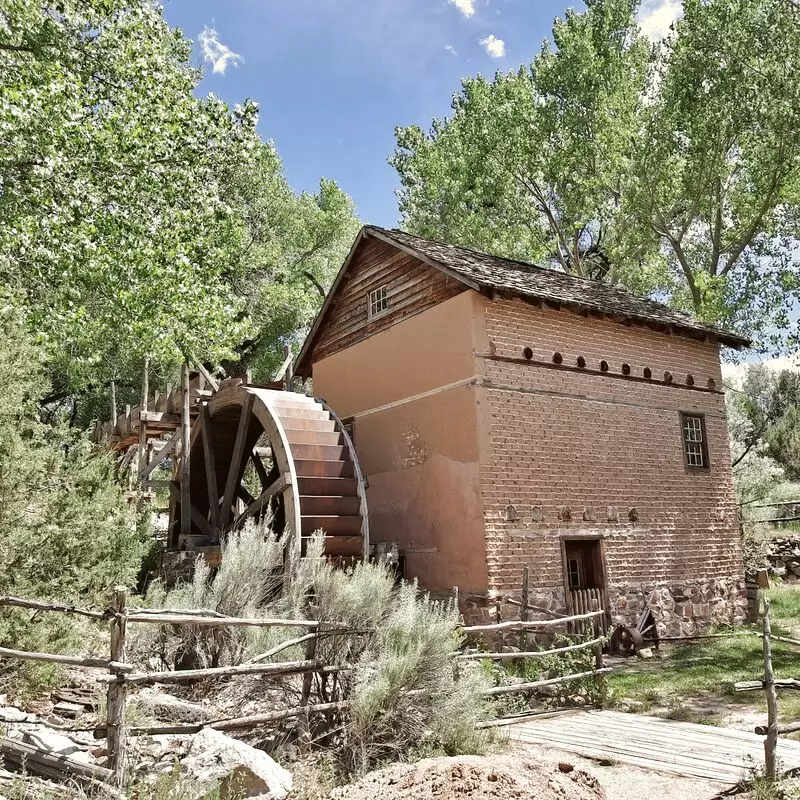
[[334, 78]]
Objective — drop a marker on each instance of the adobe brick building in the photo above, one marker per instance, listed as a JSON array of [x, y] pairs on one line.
[[507, 415]]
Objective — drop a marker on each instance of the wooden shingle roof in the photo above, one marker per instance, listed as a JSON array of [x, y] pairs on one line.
[[492, 273]]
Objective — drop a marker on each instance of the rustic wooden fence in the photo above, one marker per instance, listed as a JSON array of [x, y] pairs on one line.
[[123, 675], [769, 685]]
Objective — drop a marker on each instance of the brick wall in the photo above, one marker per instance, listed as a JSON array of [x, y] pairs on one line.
[[570, 451]]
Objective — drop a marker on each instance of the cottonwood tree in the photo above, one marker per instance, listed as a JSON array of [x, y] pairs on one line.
[[141, 220], [110, 192], [672, 167], [286, 250]]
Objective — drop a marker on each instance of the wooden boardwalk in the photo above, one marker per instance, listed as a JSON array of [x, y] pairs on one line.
[[660, 745]]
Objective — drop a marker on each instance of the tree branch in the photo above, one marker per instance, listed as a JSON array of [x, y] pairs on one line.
[[16, 48], [320, 288], [664, 231], [751, 229]]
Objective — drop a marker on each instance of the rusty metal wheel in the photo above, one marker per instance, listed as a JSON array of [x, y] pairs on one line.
[[625, 641]]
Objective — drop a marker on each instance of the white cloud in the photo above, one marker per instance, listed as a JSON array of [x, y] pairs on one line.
[[450, 49], [495, 47], [655, 17], [466, 7], [215, 53]]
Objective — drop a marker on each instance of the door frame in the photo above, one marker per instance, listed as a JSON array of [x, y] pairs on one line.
[[603, 576]]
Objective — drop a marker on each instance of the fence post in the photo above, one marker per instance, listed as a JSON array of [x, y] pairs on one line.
[[523, 610], [117, 690], [771, 742], [598, 654]]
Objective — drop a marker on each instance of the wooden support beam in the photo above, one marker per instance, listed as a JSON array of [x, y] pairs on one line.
[[771, 742], [211, 465], [162, 454], [186, 517], [201, 522], [117, 690], [143, 419], [212, 381], [236, 461], [113, 407], [244, 495]]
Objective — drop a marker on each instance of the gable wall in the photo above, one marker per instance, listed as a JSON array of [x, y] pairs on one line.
[[605, 447], [411, 392], [412, 286]]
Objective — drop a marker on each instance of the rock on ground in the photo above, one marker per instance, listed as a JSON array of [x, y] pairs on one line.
[[236, 768], [479, 778]]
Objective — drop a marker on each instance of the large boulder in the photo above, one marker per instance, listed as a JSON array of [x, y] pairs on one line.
[[217, 760]]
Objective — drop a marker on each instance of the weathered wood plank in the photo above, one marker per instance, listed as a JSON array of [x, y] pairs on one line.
[[657, 744]]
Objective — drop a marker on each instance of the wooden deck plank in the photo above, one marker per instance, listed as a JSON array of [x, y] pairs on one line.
[[660, 745]]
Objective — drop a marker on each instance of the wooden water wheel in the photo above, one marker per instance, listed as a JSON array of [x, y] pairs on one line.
[[257, 451]]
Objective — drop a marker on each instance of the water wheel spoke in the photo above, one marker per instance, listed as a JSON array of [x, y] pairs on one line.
[[257, 506], [260, 469], [211, 466], [235, 468], [244, 495]]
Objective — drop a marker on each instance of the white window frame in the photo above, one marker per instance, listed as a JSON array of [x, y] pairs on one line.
[[695, 444], [377, 302]]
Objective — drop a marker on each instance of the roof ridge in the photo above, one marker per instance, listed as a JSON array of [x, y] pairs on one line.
[[528, 266], [604, 293]]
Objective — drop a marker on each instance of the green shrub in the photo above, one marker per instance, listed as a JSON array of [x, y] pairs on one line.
[[407, 695], [65, 531], [249, 573]]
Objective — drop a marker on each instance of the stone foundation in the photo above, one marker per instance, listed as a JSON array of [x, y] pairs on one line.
[[679, 609], [177, 566], [682, 609]]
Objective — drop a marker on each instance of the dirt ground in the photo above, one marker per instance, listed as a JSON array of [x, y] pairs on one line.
[[623, 782], [507, 777]]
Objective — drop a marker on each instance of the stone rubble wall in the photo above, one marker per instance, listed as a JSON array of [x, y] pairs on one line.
[[784, 558], [679, 609]]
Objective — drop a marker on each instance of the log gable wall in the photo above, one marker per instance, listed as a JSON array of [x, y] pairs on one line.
[[411, 286]]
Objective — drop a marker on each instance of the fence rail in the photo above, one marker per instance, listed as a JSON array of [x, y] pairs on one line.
[[121, 675]]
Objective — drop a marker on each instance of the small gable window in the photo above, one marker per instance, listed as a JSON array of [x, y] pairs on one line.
[[695, 446], [378, 301]]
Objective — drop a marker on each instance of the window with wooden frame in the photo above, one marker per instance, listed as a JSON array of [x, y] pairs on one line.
[[378, 301], [574, 573], [695, 444]]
